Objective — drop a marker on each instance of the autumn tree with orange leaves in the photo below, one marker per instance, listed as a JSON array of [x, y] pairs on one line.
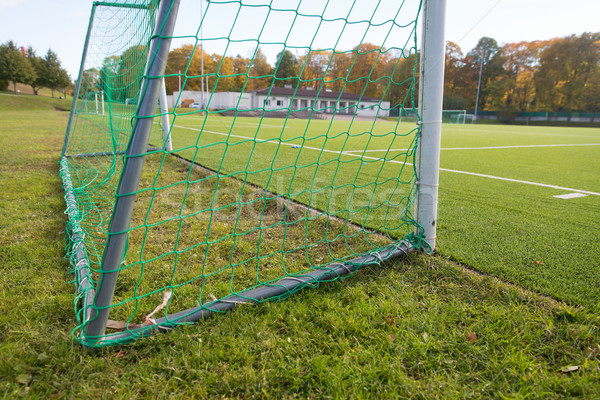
[[552, 75], [561, 74]]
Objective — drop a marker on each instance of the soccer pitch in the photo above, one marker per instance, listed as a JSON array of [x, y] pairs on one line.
[[314, 162], [498, 210], [503, 217]]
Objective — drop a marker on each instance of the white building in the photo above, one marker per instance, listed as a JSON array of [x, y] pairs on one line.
[[217, 101], [325, 101], [287, 98]]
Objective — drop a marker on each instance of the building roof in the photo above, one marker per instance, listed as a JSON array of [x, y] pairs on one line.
[[324, 94]]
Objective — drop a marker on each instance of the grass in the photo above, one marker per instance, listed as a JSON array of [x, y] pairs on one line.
[[520, 232], [23, 102], [552, 165], [24, 90], [422, 328], [515, 231], [190, 235], [212, 250]]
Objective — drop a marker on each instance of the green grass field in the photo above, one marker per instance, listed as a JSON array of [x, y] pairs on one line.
[[519, 231], [514, 230], [423, 327]]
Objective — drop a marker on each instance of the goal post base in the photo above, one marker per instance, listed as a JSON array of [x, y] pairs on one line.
[[268, 292]]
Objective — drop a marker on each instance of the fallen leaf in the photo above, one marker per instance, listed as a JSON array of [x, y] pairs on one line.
[[471, 337], [570, 368], [539, 263], [121, 325], [166, 296], [390, 320], [24, 379], [392, 338], [119, 354]]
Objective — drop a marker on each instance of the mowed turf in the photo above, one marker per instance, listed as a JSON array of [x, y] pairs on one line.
[[517, 231], [312, 162], [419, 328]]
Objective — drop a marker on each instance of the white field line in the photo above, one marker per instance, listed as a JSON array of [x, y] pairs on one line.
[[516, 133], [350, 153], [262, 141], [520, 181], [253, 124], [568, 196], [487, 148]]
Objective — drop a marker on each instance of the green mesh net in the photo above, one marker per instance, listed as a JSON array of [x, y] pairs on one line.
[[272, 162]]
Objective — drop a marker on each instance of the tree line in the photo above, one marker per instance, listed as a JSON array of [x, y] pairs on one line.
[[561, 74], [366, 70], [18, 65]]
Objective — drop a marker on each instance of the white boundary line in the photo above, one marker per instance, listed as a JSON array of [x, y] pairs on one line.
[[520, 181], [266, 141], [522, 146], [350, 154], [487, 148], [568, 196]]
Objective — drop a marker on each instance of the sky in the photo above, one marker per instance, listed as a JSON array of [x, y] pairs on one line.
[[61, 24]]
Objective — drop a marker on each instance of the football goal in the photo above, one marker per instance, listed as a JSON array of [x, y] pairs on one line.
[[448, 116], [454, 116], [231, 152]]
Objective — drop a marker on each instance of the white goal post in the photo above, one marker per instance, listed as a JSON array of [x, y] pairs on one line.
[[203, 210], [431, 95]]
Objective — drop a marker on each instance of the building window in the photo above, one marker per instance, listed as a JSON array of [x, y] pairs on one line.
[[279, 102]]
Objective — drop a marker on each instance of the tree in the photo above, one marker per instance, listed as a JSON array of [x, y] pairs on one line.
[[15, 66], [487, 57], [368, 65], [452, 68], [176, 65], [240, 70], [485, 50], [51, 74], [90, 83], [260, 72], [225, 79], [108, 80], [286, 71], [312, 67], [459, 79], [402, 91], [37, 63], [339, 67], [131, 69], [185, 63], [568, 77]]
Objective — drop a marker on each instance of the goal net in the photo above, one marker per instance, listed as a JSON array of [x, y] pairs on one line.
[[448, 116], [454, 116], [280, 171]]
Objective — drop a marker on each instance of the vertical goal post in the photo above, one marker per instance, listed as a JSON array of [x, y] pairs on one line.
[[181, 204], [431, 104], [134, 161]]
